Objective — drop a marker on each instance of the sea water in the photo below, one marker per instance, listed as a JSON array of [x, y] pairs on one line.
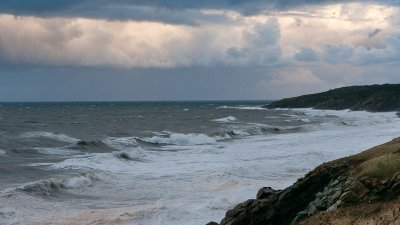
[[163, 163]]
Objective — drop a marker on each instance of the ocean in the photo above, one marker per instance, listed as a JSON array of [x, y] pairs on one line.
[[163, 163]]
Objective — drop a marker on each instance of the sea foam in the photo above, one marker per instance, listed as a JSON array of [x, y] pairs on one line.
[[50, 135], [226, 119], [182, 139]]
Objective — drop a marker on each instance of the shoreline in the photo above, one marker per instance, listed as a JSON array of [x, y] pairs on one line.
[[367, 182]]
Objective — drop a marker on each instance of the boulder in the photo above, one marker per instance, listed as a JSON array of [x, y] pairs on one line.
[[265, 192]]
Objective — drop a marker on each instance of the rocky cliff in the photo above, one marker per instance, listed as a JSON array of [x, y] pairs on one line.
[[361, 189], [374, 98]]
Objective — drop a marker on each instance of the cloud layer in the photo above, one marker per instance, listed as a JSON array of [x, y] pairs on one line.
[[280, 48], [343, 33]]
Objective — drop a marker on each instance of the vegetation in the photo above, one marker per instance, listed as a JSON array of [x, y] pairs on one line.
[[374, 98]]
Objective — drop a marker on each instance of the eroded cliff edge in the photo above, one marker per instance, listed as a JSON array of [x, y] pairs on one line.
[[360, 189]]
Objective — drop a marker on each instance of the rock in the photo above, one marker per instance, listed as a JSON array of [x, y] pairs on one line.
[[265, 192], [334, 206], [334, 183], [300, 216], [319, 204], [212, 223], [312, 209], [333, 198], [283, 207], [359, 189], [349, 197]]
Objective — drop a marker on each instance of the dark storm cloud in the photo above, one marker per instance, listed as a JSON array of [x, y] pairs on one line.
[[147, 9]]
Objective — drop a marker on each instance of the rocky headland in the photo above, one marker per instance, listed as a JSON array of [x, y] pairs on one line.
[[373, 98], [360, 189]]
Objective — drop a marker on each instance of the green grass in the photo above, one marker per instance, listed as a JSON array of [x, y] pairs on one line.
[[381, 167]]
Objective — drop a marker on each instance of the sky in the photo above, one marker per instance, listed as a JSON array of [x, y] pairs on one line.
[[139, 50]]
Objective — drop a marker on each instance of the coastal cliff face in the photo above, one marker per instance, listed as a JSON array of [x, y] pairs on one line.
[[360, 189], [374, 98]]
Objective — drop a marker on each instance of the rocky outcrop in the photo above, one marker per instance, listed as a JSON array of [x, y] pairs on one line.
[[343, 183], [282, 207], [374, 98]]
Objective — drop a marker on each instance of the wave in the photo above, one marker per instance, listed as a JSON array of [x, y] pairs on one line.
[[242, 107], [260, 129], [182, 139], [226, 119], [56, 151], [50, 135], [137, 154], [116, 162], [2, 152], [49, 186], [76, 148], [305, 120], [121, 143], [90, 146]]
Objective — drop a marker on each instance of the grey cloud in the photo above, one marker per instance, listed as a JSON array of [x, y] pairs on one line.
[[338, 53], [362, 55], [306, 55], [389, 54], [137, 9], [238, 53], [261, 45], [374, 33]]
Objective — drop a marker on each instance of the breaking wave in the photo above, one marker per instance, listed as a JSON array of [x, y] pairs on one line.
[[121, 143], [49, 186], [259, 130], [242, 107], [137, 154], [90, 146], [226, 119], [183, 139]]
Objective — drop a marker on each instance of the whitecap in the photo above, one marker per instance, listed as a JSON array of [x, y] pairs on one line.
[[182, 139], [226, 119], [50, 135], [242, 107], [305, 120], [136, 154], [121, 143], [81, 180]]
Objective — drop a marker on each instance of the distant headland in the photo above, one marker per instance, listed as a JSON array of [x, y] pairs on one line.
[[373, 98]]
